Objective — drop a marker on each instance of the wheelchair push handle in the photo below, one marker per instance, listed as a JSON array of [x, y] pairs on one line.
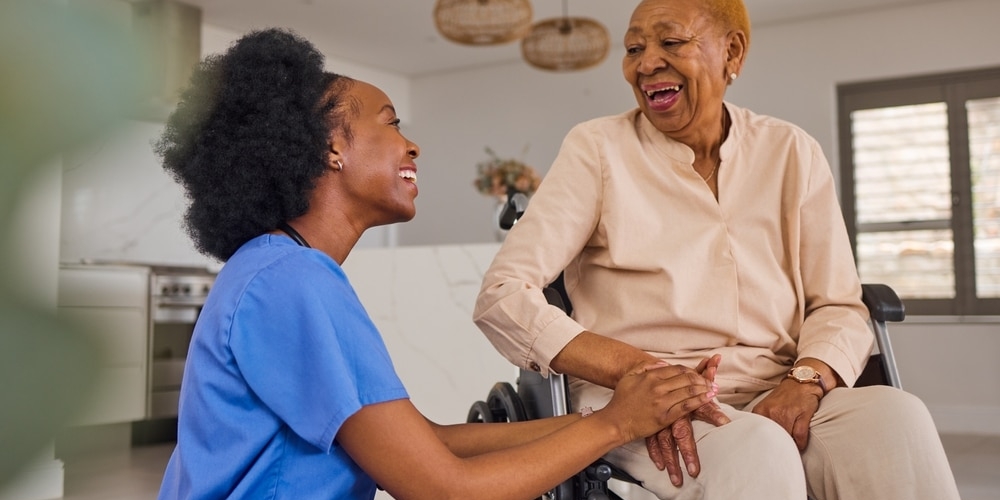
[[517, 203]]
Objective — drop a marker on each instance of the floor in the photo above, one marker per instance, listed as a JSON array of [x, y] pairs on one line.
[[136, 475]]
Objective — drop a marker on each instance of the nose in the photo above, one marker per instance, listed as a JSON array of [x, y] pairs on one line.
[[412, 150], [650, 61]]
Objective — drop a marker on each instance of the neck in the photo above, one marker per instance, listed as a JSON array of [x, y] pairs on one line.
[[708, 140], [317, 234]]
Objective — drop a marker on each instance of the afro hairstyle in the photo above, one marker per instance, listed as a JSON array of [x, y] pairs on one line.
[[248, 138]]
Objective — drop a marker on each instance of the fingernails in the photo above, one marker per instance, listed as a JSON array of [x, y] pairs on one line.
[[691, 470], [676, 480], [714, 391]]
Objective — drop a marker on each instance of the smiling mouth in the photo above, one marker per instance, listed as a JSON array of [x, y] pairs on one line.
[[408, 175], [662, 94]]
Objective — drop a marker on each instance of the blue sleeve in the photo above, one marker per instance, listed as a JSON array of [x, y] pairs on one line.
[[307, 348]]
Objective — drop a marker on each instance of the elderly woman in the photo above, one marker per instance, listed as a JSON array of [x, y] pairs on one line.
[[690, 228], [288, 390]]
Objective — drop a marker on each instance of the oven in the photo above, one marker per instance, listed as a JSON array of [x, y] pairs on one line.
[[177, 295]]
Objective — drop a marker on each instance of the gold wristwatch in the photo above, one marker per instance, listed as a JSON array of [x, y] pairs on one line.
[[805, 374]]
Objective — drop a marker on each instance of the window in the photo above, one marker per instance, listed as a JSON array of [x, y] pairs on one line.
[[921, 188]]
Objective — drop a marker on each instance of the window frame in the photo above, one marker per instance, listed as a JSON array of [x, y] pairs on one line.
[[954, 89]]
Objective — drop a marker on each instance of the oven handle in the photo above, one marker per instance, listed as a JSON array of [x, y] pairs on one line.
[[173, 303]]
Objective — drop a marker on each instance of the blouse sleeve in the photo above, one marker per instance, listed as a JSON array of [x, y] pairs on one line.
[[835, 329], [511, 310]]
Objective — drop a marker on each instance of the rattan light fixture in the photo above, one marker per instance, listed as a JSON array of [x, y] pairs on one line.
[[483, 22], [566, 43]]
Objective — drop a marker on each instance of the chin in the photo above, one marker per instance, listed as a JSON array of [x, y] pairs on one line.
[[406, 216]]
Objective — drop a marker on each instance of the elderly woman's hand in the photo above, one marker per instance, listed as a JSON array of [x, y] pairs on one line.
[[667, 447], [792, 405]]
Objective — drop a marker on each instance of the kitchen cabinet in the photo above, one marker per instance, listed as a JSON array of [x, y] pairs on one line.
[[111, 305]]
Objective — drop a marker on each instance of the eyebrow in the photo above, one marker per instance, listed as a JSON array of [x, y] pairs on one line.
[[389, 107], [660, 26]]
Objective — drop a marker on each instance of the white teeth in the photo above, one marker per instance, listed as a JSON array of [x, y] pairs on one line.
[[675, 88], [408, 174]]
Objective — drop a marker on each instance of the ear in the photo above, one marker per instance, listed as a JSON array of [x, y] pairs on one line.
[[736, 52], [334, 160]]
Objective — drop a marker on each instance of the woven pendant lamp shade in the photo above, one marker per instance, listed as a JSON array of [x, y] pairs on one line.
[[566, 44], [483, 22]]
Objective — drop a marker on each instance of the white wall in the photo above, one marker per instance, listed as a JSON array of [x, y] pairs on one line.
[[792, 72]]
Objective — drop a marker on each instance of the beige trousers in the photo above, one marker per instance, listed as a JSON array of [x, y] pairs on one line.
[[865, 443]]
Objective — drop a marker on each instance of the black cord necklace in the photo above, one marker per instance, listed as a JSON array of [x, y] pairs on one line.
[[293, 234]]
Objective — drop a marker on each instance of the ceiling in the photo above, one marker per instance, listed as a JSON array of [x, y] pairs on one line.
[[399, 35]]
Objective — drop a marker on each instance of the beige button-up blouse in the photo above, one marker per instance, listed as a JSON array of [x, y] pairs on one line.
[[764, 275]]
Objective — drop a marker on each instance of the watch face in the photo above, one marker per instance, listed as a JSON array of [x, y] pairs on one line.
[[803, 373]]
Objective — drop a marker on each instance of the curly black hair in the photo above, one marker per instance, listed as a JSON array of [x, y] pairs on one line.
[[248, 138]]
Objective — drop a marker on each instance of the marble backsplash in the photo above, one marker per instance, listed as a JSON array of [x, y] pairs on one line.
[[421, 298], [119, 205]]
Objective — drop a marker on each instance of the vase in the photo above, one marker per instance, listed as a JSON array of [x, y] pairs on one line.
[[498, 232]]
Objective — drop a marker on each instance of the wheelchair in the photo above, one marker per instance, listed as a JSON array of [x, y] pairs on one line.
[[539, 397]]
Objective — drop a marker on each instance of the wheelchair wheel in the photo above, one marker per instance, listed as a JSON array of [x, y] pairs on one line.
[[506, 404], [480, 413]]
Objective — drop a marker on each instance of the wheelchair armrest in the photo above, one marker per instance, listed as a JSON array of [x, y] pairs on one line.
[[882, 302]]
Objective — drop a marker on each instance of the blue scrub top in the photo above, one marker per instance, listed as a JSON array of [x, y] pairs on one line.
[[282, 354]]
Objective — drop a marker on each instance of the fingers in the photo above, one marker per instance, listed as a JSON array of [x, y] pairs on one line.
[[800, 432], [708, 367], [671, 460], [643, 368], [683, 435], [711, 413], [686, 392], [655, 453]]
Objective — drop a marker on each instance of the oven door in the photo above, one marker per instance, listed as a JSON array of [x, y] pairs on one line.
[[176, 303]]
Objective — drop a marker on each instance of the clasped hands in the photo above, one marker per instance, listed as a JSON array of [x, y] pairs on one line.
[[791, 404], [675, 442]]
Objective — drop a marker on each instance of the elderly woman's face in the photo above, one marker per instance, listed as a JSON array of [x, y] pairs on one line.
[[676, 61]]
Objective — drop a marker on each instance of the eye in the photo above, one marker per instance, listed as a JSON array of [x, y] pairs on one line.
[[633, 50], [671, 42], [395, 122]]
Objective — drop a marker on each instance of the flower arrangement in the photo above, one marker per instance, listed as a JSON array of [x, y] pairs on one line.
[[497, 176]]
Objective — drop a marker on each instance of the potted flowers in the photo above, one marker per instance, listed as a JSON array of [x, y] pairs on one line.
[[500, 177], [510, 182]]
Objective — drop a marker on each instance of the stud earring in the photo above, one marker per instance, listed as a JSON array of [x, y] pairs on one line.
[[340, 165], [733, 76]]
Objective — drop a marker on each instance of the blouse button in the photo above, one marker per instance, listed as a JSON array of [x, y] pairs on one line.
[[534, 367]]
